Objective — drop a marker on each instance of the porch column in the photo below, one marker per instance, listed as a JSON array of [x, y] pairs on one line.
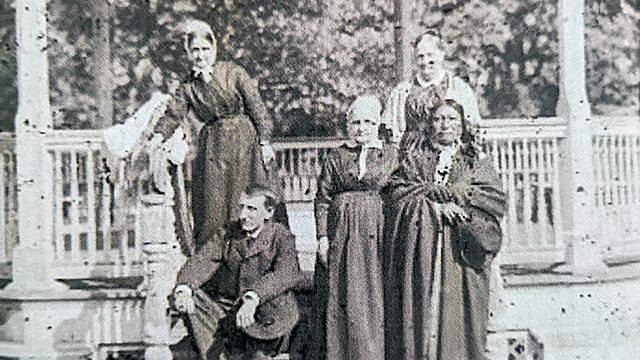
[[32, 257], [584, 251]]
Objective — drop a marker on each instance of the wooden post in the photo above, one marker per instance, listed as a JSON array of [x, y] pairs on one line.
[[102, 63], [573, 106], [408, 16], [163, 260], [33, 257]]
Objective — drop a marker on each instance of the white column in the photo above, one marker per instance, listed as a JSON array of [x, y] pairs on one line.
[[33, 257], [573, 106]]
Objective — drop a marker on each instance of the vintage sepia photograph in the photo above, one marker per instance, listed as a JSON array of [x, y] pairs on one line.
[[319, 180]]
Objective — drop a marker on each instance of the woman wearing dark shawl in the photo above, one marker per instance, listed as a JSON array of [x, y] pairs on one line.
[[227, 124], [349, 224], [443, 207]]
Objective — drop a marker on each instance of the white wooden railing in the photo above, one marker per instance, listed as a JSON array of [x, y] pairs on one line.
[[616, 160], [299, 163], [526, 156], [525, 153], [95, 229], [104, 326], [94, 235]]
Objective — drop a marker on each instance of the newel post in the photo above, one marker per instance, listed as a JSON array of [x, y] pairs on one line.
[[584, 252], [162, 260]]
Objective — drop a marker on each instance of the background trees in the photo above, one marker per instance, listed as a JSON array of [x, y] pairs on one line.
[[312, 57]]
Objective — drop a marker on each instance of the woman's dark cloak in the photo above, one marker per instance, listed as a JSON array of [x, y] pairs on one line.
[[436, 296]]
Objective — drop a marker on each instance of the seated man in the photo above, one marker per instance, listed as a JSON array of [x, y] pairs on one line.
[[237, 290]]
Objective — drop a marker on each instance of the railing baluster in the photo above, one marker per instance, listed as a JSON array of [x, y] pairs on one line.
[[508, 239], [117, 317], [608, 171], [630, 196], [105, 228], [532, 240], [617, 170], [556, 205], [74, 213], [596, 170], [546, 171], [513, 216], [97, 325], [539, 160], [636, 167], [58, 205], [626, 165], [603, 174], [519, 193], [4, 239], [91, 205], [635, 183], [107, 327]]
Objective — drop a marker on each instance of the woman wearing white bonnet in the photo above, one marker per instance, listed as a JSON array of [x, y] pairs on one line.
[[349, 222]]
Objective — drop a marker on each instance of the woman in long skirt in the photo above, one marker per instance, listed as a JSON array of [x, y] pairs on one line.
[[443, 231], [229, 131], [349, 222]]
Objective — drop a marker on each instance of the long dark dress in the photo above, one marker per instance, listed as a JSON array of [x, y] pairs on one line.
[[436, 299], [224, 121], [349, 211]]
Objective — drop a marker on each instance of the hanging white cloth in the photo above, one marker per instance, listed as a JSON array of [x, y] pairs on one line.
[[362, 157]]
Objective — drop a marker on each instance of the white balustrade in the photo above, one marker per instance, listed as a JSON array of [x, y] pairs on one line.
[[525, 154], [616, 159], [94, 236], [116, 324], [299, 163]]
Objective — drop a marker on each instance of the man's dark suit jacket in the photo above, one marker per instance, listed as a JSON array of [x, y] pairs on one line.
[[233, 263]]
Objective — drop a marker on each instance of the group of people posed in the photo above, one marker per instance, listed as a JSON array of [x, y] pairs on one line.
[[407, 226]]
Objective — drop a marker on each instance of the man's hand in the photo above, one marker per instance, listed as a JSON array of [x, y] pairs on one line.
[[184, 299], [268, 154], [244, 317], [323, 249], [454, 213]]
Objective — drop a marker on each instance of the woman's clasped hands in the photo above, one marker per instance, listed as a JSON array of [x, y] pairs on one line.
[[443, 195]]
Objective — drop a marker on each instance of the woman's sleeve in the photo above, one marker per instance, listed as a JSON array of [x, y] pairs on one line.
[[393, 115], [174, 116], [464, 95], [248, 88], [482, 190], [324, 194]]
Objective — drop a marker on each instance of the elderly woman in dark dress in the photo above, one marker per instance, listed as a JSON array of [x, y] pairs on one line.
[[442, 232], [229, 128], [349, 223]]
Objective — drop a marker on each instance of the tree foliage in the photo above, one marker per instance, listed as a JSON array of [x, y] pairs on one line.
[[8, 91], [508, 51], [312, 57], [612, 49]]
